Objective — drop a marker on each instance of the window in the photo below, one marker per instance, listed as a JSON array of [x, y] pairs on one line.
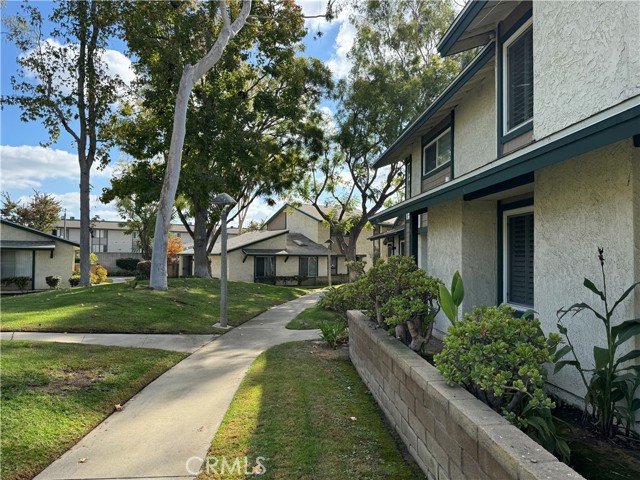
[[135, 243], [401, 248], [99, 240], [518, 78], [16, 263], [518, 257], [308, 266], [437, 153], [265, 267]]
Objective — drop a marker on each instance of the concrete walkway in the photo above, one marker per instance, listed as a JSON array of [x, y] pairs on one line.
[[167, 428], [177, 343]]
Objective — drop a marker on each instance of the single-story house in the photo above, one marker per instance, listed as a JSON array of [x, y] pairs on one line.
[[25, 252]]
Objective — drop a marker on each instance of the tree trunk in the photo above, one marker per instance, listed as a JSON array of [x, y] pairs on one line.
[[200, 257], [85, 225], [190, 75]]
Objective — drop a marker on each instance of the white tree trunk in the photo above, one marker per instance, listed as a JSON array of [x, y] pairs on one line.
[[190, 75]]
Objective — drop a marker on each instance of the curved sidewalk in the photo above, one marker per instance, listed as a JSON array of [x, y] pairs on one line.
[[171, 421], [176, 343]]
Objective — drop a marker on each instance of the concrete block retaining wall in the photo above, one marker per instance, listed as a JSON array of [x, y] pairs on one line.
[[449, 433]]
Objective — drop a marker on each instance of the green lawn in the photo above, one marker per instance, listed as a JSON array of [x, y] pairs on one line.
[[311, 318], [303, 409], [189, 306], [54, 393]]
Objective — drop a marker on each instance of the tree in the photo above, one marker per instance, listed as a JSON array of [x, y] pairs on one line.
[[72, 90], [396, 74], [245, 122], [42, 212], [135, 188], [191, 73]]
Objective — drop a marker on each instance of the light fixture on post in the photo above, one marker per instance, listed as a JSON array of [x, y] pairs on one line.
[[328, 244], [227, 202]]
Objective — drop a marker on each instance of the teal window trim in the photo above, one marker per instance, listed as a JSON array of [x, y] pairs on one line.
[[504, 37], [622, 125], [427, 141]]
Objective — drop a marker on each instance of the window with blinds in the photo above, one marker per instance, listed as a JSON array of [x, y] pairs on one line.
[[519, 279], [519, 80]]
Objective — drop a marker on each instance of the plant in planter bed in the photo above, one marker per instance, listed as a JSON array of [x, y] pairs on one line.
[[611, 390], [397, 294], [500, 359]]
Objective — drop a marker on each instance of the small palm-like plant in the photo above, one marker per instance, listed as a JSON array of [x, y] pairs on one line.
[[612, 386]]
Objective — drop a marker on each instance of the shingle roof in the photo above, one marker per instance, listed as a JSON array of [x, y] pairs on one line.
[[247, 239]]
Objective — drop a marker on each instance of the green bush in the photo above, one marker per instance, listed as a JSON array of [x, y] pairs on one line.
[[21, 282], [144, 268], [129, 264], [343, 298], [53, 281], [333, 333], [74, 280], [500, 359], [100, 274]]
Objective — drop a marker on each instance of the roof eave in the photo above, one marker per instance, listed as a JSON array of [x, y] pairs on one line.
[[459, 26]]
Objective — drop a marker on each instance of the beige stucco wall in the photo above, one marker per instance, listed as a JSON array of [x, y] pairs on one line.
[[279, 222], [463, 237], [592, 63], [475, 128], [581, 204], [298, 222], [61, 264]]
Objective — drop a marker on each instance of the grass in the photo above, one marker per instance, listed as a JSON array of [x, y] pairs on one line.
[[311, 318], [190, 306], [54, 393], [305, 412]]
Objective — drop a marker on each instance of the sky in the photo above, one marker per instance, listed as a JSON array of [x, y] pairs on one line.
[[26, 166]]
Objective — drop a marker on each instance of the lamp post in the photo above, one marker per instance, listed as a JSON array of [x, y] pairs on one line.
[[328, 244], [227, 202]]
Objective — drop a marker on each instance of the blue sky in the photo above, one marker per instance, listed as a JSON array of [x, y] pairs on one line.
[[26, 166]]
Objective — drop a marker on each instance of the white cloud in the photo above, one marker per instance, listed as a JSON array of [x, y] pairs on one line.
[[339, 63], [259, 210], [70, 202], [316, 9], [28, 166], [116, 64]]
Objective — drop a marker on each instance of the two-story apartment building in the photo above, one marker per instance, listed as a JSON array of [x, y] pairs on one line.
[[294, 242], [530, 160], [110, 240]]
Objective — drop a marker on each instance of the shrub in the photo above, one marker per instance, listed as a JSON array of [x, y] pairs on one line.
[[333, 333], [74, 280], [500, 359], [346, 297], [144, 268], [403, 296], [93, 258], [129, 264], [611, 391], [20, 282], [100, 274], [53, 281]]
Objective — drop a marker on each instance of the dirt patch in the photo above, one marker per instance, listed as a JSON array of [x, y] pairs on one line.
[[70, 380], [595, 458], [325, 352]]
